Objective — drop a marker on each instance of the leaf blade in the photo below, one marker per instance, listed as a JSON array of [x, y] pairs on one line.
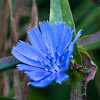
[[91, 42], [55, 12], [66, 14]]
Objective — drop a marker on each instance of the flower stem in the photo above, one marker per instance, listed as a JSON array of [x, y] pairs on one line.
[[76, 88]]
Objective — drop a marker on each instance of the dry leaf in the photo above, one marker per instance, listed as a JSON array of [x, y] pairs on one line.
[[89, 64]]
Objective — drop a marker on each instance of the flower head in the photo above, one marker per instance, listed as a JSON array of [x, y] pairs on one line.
[[48, 55]]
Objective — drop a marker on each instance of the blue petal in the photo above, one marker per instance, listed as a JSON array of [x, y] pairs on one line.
[[67, 58], [58, 30], [33, 73], [37, 43], [36, 40], [26, 60], [37, 75], [66, 65], [26, 50], [44, 82], [65, 40], [61, 77], [64, 57], [47, 33], [48, 36], [23, 67], [68, 54]]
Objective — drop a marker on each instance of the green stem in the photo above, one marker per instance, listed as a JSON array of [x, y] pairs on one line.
[[8, 63], [76, 88]]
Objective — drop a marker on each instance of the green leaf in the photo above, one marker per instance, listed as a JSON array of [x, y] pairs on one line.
[[66, 14], [83, 51], [86, 70], [91, 43], [77, 55], [91, 46], [55, 12], [8, 63]]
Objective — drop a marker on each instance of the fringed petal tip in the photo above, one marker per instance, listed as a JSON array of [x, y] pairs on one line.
[[59, 82], [30, 30], [23, 67], [35, 85], [80, 30], [36, 26], [28, 83], [16, 45], [77, 36], [31, 83], [73, 31], [19, 67], [59, 22], [43, 22], [61, 77], [79, 33]]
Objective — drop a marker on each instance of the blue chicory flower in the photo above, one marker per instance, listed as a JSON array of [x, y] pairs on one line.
[[48, 55]]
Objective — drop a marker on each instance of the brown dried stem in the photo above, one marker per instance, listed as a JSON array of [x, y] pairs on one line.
[[14, 32], [3, 28], [3, 38], [34, 17], [17, 14], [14, 35], [27, 2]]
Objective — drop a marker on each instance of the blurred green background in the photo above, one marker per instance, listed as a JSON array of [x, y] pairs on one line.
[[86, 14]]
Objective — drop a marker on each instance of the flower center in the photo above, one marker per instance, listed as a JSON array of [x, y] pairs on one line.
[[54, 64]]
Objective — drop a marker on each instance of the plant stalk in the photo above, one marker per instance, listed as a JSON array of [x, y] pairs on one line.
[[76, 88]]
